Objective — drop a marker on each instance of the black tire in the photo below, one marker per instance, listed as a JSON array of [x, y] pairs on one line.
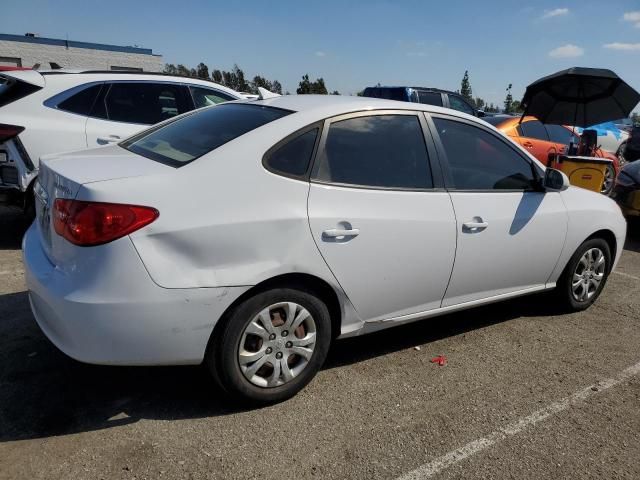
[[564, 291], [222, 355], [608, 189]]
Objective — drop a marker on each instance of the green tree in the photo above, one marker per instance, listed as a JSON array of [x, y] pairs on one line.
[[170, 69], [241, 83], [335, 92], [183, 71], [276, 87], [259, 81], [465, 87], [480, 103], [216, 76], [202, 71], [508, 101], [516, 107], [305, 86]]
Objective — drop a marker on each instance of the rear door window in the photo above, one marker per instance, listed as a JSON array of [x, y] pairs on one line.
[[144, 102], [430, 98], [185, 139], [457, 103], [533, 129], [387, 151], [560, 134]]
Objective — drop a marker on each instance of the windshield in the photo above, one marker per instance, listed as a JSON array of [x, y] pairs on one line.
[[183, 140]]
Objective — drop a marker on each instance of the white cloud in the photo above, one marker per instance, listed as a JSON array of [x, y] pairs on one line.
[[567, 51], [625, 47], [556, 12], [633, 17], [321, 54]]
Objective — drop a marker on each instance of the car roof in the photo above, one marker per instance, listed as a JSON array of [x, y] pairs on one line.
[[69, 77], [324, 106]]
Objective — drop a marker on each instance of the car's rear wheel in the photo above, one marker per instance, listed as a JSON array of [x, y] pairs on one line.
[[271, 345], [620, 154], [609, 180], [585, 275]]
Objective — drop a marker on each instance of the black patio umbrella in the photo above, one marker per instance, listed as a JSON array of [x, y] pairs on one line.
[[580, 96]]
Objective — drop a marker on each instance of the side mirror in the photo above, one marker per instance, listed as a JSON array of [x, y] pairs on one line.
[[555, 180]]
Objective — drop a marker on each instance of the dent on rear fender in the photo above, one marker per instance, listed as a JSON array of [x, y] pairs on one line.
[[229, 254]]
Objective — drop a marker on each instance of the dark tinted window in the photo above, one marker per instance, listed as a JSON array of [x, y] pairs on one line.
[[480, 161], [145, 103], [457, 103], [389, 93], [293, 157], [533, 129], [81, 102], [430, 98], [379, 151], [192, 136], [559, 134], [12, 90], [204, 97]]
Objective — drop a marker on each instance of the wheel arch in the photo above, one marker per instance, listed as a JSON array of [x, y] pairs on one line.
[[609, 237], [304, 281]]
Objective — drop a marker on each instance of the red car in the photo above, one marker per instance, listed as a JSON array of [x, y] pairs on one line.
[[541, 140]]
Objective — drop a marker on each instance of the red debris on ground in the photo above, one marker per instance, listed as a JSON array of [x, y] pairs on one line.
[[441, 360]]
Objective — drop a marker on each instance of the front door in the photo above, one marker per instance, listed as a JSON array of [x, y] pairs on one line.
[[510, 234], [385, 232]]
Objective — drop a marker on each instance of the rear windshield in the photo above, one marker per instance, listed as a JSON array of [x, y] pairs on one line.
[[181, 141], [12, 90]]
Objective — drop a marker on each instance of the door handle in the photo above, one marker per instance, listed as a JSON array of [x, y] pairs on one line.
[[109, 139], [340, 232], [476, 225]]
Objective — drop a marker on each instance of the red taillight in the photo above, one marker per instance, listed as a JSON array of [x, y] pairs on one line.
[[7, 132], [95, 223]]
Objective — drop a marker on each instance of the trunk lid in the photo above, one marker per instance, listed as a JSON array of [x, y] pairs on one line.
[[63, 175]]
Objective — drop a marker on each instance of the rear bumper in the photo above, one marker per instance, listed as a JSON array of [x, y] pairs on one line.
[[96, 316]]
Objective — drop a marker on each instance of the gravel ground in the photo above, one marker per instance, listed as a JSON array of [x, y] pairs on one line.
[[379, 409]]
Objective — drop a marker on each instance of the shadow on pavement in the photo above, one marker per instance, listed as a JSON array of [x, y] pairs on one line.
[[43, 393]]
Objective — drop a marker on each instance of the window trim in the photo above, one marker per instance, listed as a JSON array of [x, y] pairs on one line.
[[436, 176], [292, 136], [442, 155], [463, 100]]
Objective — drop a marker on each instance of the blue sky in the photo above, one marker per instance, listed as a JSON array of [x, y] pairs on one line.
[[354, 44]]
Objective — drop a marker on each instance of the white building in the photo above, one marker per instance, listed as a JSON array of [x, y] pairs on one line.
[[30, 50]]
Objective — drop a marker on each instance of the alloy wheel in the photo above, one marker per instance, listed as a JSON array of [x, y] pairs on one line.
[[277, 344], [588, 275], [609, 178]]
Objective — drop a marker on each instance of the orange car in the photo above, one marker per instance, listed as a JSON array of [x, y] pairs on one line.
[[541, 140]]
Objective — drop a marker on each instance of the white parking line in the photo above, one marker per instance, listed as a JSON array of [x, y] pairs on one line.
[[626, 275], [428, 470]]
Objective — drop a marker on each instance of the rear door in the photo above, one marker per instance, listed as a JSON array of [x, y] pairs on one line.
[[125, 108], [510, 234], [533, 136], [379, 215]]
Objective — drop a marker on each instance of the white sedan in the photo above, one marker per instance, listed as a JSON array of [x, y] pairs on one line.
[[250, 235]]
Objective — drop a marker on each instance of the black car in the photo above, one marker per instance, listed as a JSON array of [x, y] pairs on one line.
[[632, 147], [430, 96]]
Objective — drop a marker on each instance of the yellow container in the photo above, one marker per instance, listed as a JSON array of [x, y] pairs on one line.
[[584, 172]]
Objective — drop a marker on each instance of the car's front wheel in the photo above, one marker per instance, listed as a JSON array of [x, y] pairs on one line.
[[585, 275], [271, 345]]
